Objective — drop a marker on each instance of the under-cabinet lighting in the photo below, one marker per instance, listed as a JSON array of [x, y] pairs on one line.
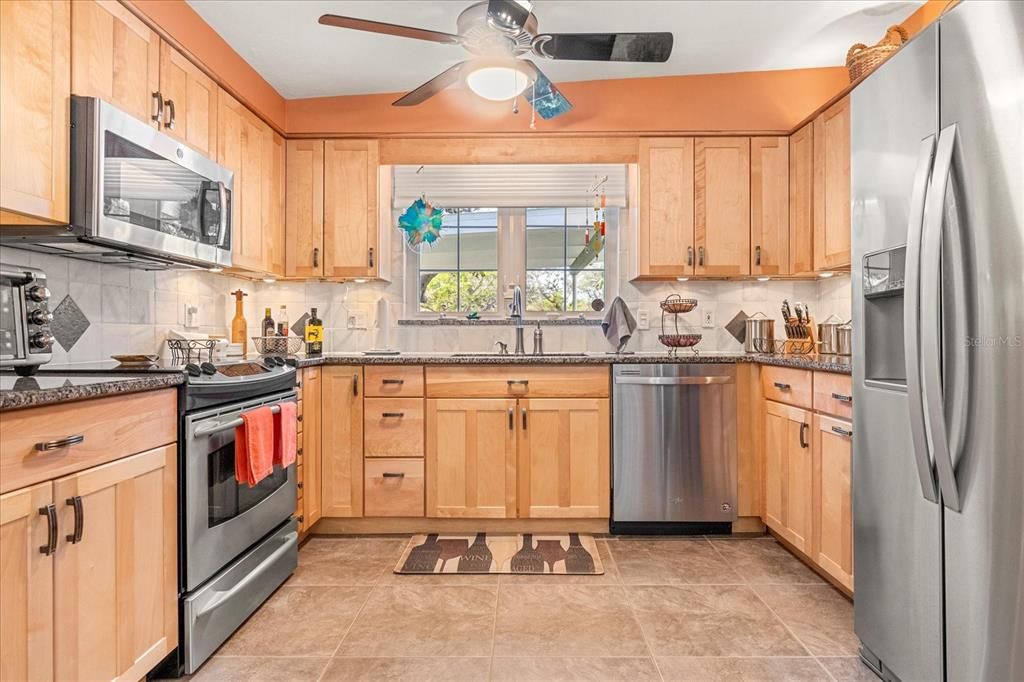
[[764, 279], [216, 269], [360, 280], [825, 275], [269, 280], [682, 279]]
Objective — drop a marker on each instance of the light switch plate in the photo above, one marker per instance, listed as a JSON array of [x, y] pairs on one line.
[[358, 317], [191, 316], [643, 319], [708, 319]]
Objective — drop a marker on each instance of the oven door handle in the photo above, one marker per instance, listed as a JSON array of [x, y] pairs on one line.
[[253, 576], [217, 427]]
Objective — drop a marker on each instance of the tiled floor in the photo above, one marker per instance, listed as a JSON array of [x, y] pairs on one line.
[[666, 609]]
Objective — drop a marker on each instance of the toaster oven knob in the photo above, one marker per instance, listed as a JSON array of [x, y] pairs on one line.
[[41, 340], [39, 294], [40, 316]]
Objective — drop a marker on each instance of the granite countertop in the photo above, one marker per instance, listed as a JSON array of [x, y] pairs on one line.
[[47, 389], [839, 365]]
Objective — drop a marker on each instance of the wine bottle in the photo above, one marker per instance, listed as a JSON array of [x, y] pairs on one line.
[[269, 328], [282, 322]]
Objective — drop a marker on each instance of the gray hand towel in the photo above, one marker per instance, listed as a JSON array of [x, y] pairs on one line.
[[618, 324]]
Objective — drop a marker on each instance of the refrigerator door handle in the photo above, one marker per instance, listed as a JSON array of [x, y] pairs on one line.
[[931, 317], [911, 321]]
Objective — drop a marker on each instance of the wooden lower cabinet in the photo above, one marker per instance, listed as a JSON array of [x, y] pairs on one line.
[[833, 509], [394, 487], [471, 458], [341, 440], [788, 473], [312, 508], [563, 458]]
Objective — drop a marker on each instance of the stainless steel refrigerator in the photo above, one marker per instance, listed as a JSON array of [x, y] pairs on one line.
[[938, 303]]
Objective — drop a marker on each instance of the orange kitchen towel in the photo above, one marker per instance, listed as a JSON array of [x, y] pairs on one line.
[[254, 446], [284, 435]]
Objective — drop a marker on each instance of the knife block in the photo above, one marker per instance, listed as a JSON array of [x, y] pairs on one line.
[[801, 338]]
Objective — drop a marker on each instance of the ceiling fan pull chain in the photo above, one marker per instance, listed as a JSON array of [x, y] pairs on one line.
[[533, 112]]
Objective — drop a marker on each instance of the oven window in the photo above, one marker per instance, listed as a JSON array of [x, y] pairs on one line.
[[228, 498]]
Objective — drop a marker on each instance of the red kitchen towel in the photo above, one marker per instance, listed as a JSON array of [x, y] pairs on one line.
[[254, 446], [284, 435]]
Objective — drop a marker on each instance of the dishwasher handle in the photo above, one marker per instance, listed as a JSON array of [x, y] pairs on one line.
[[675, 381]]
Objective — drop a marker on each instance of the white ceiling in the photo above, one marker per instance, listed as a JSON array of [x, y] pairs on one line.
[[283, 41]]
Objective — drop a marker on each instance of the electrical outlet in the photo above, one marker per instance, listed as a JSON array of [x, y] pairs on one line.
[[643, 319], [358, 317], [708, 319]]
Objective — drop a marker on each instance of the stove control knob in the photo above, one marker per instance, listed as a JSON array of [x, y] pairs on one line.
[[208, 368], [268, 364], [291, 362], [38, 293], [41, 340], [40, 316], [279, 361], [193, 369]]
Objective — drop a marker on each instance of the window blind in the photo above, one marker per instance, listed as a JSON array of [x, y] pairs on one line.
[[508, 185]]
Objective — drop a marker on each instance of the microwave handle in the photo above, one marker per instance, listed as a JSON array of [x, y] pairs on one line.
[[224, 210]]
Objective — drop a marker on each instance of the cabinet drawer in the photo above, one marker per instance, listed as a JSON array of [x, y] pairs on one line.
[[393, 427], [394, 487], [504, 381], [110, 428], [386, 381], [833, 394], [787, 385]]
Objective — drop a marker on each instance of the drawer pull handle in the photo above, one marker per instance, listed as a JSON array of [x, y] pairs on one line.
[[355, 384], [395, 415], [521, 382], [511, 419], [48, 445], [393, 381], [299, 486], [76, 536], [842, 432], [524, 419], [803, 438], [299, 418], [842, 398], [50, 512], [781, 386], [299, 452], [391, 474]]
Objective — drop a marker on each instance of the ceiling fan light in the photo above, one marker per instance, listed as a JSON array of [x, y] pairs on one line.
[[497, 83]]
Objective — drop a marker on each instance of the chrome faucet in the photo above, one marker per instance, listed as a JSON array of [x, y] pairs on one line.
[[515, 311]]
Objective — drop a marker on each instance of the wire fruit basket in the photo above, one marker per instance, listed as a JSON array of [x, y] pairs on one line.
[[676, 304], [277, 345], [184, 351], [675, 336]]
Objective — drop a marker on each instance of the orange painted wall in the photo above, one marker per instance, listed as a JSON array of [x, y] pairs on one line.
[[925, 15]]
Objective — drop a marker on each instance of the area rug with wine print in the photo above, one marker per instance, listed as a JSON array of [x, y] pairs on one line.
[[552, 554]]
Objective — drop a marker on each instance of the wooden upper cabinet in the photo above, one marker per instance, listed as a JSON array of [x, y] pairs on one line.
[[304, 208], [341, 441], [801, 201], [769, 206], [722, 206], [832, 187], [470, 458], [26, 582], [190, 102], [350, 208], [115, 56], [274, 201], [240, 148], [563, 458], [116, 588], [665, 234], [35, 81], [788, 473], [833, 511]]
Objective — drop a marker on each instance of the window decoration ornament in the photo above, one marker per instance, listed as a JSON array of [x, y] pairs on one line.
[[421, 223]]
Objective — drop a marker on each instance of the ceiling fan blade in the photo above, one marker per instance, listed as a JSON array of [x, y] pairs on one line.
[[546, 99], [509, 15], [431, 87], [605, 47], [390, 29]]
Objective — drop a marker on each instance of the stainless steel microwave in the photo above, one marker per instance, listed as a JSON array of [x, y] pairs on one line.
[[138, 197]]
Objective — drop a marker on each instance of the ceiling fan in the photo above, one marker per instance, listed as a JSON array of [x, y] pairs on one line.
[[500, 34]]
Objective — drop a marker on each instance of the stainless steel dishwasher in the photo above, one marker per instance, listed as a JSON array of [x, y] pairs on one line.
[[674, 448]]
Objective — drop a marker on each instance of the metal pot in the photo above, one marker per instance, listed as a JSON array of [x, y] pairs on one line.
[[760, 336], [844, 340], [828, 335]]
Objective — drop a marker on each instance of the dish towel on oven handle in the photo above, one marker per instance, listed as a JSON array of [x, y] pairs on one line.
[[254, 446], [285, 428]]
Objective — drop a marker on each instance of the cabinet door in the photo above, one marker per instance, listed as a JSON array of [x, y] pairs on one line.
[[563, 458], [311, 457], [305, 209], [190, 101], [833, 515], [769, 205], [341, 441], [470, 447], [350, 208], [788, 482], [115, 589], [665, 235], [35, 80], [801, 201], [116, 57], [240, 139], [832, 187], [26, 585], [273, 201], [722, 206]]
